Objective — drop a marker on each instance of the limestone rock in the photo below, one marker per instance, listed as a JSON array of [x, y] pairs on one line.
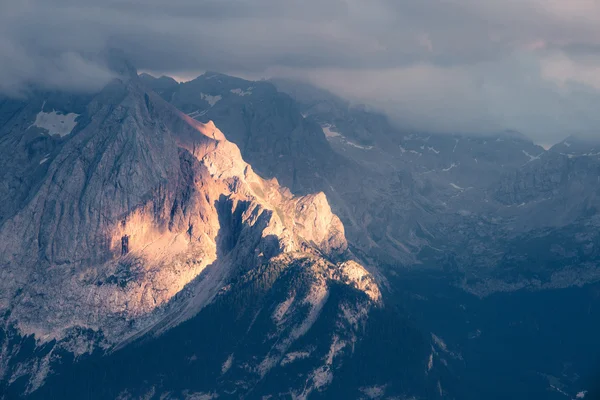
[[139, 214]]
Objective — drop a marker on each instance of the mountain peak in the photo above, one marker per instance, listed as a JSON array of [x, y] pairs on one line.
[[168, 191], [162, 80], [207, 129], [513, 134], [117, 61]]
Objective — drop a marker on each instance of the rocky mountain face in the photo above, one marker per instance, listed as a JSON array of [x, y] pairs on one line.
[[136, 238], [146, 232], [487, 228], [274, 135], [265, 124], [413, 198], [504, 239]]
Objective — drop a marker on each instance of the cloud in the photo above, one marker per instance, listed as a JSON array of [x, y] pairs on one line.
[[520, 93], [444, 65]]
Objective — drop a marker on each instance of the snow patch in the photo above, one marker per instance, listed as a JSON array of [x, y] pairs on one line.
[[212, 100], [46, 158], [199, 396], [432, 149], [293, 356], [227, 364], [443, 347], [358, 146], [402, 149], [322, 376], [571, 155], [559, 390], [439, 342], [56, 123], [241, 92], [581, 394], [328, 132], [475, 335], [374, 392], [455, 186], [453, 165], [531, 158], [430, 361]]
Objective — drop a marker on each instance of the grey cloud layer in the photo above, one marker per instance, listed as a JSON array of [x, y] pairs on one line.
[[445, 65]]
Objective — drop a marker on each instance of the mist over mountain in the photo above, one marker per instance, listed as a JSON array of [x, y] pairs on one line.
[[452, 67], [299, 200], [490, 214], [127, 223]]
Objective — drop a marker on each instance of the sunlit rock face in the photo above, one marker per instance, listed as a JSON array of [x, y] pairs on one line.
[[143, 228], [138, 204]]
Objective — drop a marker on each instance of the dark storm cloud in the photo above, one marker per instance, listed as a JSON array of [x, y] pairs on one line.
[[445, 65]]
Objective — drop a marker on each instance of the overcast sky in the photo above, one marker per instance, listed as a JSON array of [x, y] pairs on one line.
[[442, 65]]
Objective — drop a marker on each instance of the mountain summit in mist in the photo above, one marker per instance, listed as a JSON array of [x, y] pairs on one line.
[[226, 238], [126, 222]]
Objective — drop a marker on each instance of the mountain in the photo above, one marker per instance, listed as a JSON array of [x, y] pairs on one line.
[[149, 248], [505, 244], [578, 146], [489, 241], [142, 256], [274, 137], [409, 198], [264, 123]]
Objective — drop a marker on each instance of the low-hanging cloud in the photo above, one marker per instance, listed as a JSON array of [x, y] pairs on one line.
[[442, 65]]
